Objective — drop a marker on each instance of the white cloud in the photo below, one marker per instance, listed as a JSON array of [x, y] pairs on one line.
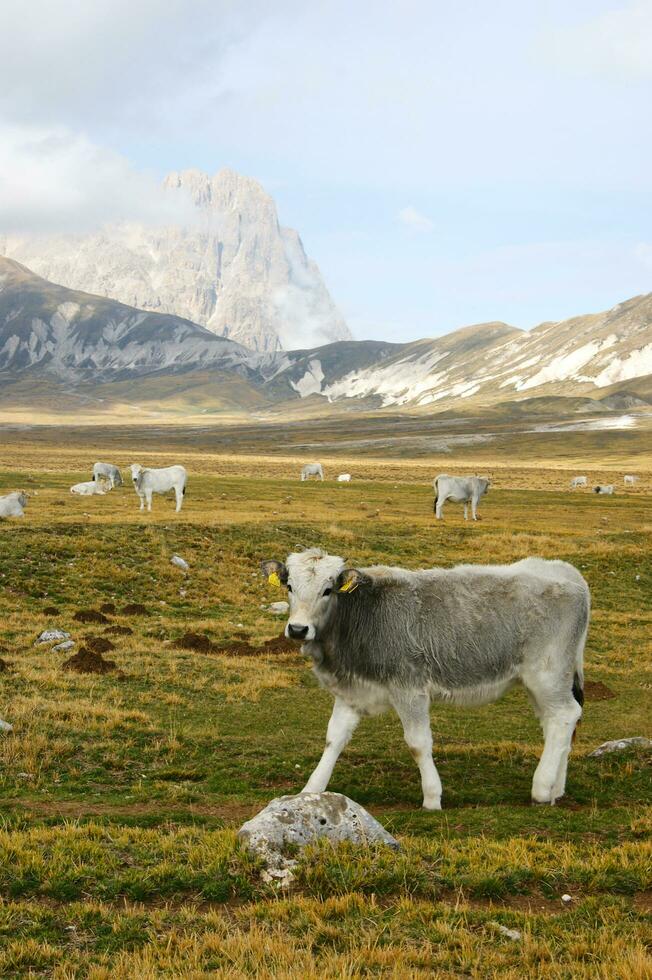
[[55, 180], [414, 219], [616, 43]]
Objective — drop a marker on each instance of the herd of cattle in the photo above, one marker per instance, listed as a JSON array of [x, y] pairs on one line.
[[148, 480]]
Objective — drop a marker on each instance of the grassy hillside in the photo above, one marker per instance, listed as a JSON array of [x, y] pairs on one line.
[[121, 792]]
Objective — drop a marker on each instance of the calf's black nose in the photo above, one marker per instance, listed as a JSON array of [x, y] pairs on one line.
[[297, 632]]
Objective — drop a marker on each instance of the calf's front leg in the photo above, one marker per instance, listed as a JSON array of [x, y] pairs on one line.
[[414, 712], [342, 724]]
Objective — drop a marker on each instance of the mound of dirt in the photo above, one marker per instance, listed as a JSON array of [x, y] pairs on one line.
[[119, 630], [108, 608], [279, 644], [597, 691], [89, 616], [134, 609], [99, 644], [51, 611], [4, 665], [195, 641], [88, 662]]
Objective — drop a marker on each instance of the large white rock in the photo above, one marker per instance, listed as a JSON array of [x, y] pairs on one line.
[[620, 744], [226, 264], [299, 820]]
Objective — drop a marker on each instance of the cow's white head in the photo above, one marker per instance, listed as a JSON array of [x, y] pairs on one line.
[[314, 580], [136, 469]]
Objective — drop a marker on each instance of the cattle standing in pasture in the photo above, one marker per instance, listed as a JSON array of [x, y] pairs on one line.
[[604, 488], [578, 481], [312, 469], [108, 471], [344, 478], [461, 490], [13, 504], [149, 481], [91, 487], [385, 638], [630, 480]]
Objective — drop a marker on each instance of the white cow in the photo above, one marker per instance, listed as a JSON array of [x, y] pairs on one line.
[[604, 488], [13, 504], [578, 481], [108, 471], [344, 478], [90, 487], [312, 469], [630, 480], [149, 481], [461, 490]]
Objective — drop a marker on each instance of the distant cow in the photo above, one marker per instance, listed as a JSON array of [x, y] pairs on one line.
[[13, 504], [604, 488], [385, 638], [461, 490], [630, 480], [108, 471], [312, 469], [344, 478], [91, 487], [578, 481], [149, 481]]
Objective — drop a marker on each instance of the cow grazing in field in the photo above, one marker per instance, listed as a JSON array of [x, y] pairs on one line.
[[312, 469], [607, 488], [13, 504], [630, 480], [461, 490], [385, 638], [578, 481], [149, 481], [107, 471], [344, 478], [91, 487]]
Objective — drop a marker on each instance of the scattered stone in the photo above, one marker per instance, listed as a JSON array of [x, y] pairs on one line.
[[195, 641], [108, 608], [61, 647], [278, 608], [117, 630], [134, 609], [99, 644], [567, 898], [512, 934], [88, 662], [89, 616], [52, 636], [5, 726], [294, 821], [51, 611], [180, 563], [620, 744], [597, 691]]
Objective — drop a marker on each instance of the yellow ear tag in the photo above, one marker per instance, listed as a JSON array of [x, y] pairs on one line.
[[274, 580], [349, 586]]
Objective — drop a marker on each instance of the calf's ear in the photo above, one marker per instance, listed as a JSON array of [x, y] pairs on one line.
[[275, 572], [349, 579]]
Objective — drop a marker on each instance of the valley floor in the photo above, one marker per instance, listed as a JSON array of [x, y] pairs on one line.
[[121, 792]]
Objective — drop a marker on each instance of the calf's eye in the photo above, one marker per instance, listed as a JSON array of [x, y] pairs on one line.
[[289, 587], [327, 591]]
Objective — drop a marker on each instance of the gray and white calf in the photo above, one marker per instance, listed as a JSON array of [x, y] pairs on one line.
[[630, 479], [107, 471], [461, 490], [604, 488], [13, 504], [149, 481], [578, 481], [312, 469], [385, 638]]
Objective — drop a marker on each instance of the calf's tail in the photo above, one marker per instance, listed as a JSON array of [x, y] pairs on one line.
[[434, 506]]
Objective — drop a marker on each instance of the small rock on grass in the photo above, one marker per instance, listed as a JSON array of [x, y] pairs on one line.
[[620, 744], [52, 636], [5, 726], [512, 934], [179, 562], [278, 608], [61, 647]]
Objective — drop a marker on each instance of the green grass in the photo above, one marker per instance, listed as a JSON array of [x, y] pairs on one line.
[[120, 794]]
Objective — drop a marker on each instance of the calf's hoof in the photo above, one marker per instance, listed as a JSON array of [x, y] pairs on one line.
[[431, 805]]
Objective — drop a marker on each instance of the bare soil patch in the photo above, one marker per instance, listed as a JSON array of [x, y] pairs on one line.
[[108, 608], [195, 641], [135, 609], [89, 616], [117, 630], [5, 665], [88, 662], [99, 644], [279, 644], [51, 611], [597, 691]]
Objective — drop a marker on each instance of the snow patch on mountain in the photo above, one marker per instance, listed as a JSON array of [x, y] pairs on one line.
[[310, 383], [634, 365]]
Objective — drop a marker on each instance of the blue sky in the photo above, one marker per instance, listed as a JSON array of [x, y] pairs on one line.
[[444, 163]]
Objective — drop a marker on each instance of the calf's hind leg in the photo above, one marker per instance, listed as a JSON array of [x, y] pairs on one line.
[[342, 724], [414, 712]]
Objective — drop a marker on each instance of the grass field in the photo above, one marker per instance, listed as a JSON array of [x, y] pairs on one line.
[[121, 792]]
